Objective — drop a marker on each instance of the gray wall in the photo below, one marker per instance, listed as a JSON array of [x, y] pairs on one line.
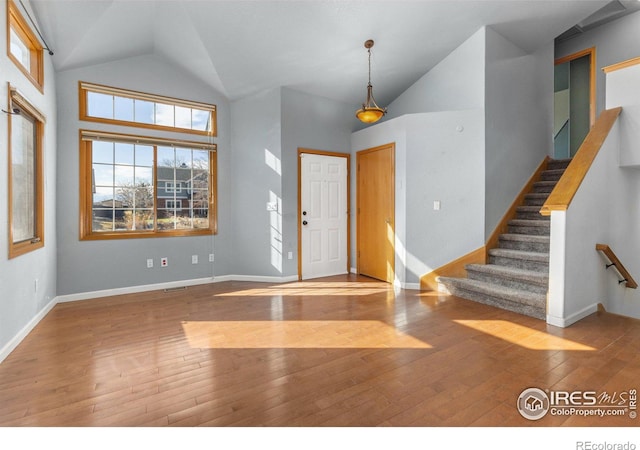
[[256, 148], [519, 120], [513, 91], [313, 123], [455, 83], [87, 266], [614, 42], [267, 131], [20, 301]]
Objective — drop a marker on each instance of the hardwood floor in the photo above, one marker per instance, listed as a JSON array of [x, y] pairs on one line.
[[341, 351]]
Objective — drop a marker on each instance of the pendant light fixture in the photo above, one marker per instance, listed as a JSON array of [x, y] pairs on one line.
[[370, 111]]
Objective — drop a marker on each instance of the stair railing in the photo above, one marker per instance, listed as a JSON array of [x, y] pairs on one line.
[[614, 262]]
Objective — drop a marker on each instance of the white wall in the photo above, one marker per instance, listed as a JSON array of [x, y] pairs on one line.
[[572, 247], [519, 120], [88, 266], [455, 83], [20, 302]]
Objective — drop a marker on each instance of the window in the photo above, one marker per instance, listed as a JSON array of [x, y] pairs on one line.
[[171, 187], [173, 204], [23, 48], [26, 194], [124, 107], [129, 186]]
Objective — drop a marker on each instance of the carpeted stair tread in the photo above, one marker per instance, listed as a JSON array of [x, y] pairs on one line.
[[525, 237], [544, 186], [515, 278], [529, 212], [536, 198], [519, 254], [526, 242], [515, 296], [551, 175], [558, 164]]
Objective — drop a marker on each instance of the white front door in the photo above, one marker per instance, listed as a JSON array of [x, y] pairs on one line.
[[323, 215]]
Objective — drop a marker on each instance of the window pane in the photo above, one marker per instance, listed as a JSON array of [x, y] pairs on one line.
[[100, 105], [143, 111], [124, 154], [102, 220], [123, 176], [144, 155], [23, 178], [143, 176], [102, 175], [123, 108], [102, 152], [164, 115], [166, 219], [166, 158], [200, 120], [183, 117], [20, 50]]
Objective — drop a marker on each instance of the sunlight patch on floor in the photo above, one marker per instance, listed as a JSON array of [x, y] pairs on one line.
[[297, 334], [314, 288], [523, 336]]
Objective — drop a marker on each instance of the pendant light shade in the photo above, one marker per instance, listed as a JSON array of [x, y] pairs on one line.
[[370, 111]]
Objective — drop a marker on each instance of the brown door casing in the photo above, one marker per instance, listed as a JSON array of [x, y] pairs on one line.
[[376, 212]]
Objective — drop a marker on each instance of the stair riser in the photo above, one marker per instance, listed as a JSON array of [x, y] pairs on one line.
[[527, 264], [525, 246], [536, 231], [528, 310], [508, 282]]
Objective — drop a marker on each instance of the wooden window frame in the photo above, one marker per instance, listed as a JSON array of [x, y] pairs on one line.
[[84, 88], [86, 179], [17, 23], [18, 104]]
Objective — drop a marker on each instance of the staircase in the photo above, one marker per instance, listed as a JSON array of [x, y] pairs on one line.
[[517, 275]]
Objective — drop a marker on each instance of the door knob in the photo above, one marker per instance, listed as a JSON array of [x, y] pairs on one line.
[[304, 222]]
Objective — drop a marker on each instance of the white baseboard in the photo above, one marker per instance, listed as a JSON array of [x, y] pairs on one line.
[[262, 279], [132, 289], [411, 286], [564, 322], [13, 343]]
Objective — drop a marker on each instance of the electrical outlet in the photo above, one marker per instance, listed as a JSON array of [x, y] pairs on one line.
[[436, 205], [290, 255], [164, 262], [194, 259], [210, 257], [149, 263]]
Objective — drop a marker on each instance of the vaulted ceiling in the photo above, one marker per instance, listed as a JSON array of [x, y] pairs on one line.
[[242, 47]]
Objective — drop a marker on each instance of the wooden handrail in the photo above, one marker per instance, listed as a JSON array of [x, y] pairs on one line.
[[614, 261], [562, 194]]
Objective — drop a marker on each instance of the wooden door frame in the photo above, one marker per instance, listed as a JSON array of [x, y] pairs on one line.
[[391, 145], [591, 52], [310, 151]]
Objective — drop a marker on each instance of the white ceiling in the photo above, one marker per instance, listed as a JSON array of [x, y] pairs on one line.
[[243, 47]]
